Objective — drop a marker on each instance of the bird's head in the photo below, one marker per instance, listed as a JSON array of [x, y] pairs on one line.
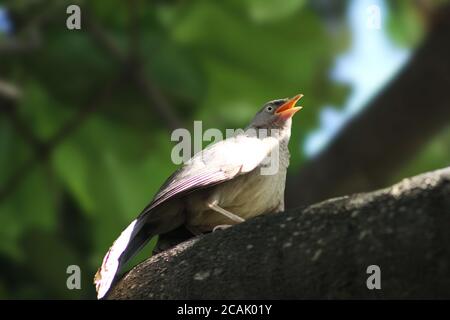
[[276, 114]]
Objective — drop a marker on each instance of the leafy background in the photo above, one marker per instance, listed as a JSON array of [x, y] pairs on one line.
[[84, 147]]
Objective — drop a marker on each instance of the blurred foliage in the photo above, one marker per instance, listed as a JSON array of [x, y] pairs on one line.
[[405, 23], [436, 154], [217, 61]]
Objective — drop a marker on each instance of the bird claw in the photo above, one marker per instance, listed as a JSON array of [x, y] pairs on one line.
[[221, 227]]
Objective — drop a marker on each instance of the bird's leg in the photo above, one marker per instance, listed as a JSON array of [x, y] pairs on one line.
[[228, 214]]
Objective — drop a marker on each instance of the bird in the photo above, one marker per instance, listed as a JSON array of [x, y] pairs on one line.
[[226, 183]]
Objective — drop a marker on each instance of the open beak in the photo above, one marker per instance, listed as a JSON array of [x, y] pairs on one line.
[[288, 109]]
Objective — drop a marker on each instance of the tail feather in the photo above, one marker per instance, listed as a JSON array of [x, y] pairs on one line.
[[130, 241], [161, 220]]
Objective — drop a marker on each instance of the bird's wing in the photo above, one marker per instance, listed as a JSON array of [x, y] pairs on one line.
[[215, 164]]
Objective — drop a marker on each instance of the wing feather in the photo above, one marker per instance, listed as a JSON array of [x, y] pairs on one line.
[[215, 164]]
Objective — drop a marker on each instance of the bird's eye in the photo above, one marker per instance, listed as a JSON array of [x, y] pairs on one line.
[[269, 108]]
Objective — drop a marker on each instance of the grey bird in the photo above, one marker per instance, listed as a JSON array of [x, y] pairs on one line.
[[226, 183]]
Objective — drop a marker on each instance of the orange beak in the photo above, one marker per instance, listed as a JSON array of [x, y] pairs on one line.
[[288, 109]]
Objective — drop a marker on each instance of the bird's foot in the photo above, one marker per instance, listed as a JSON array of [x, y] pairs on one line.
[[221, 227]]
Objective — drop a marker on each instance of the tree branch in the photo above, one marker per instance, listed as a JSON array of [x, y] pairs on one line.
[[322, 251]]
